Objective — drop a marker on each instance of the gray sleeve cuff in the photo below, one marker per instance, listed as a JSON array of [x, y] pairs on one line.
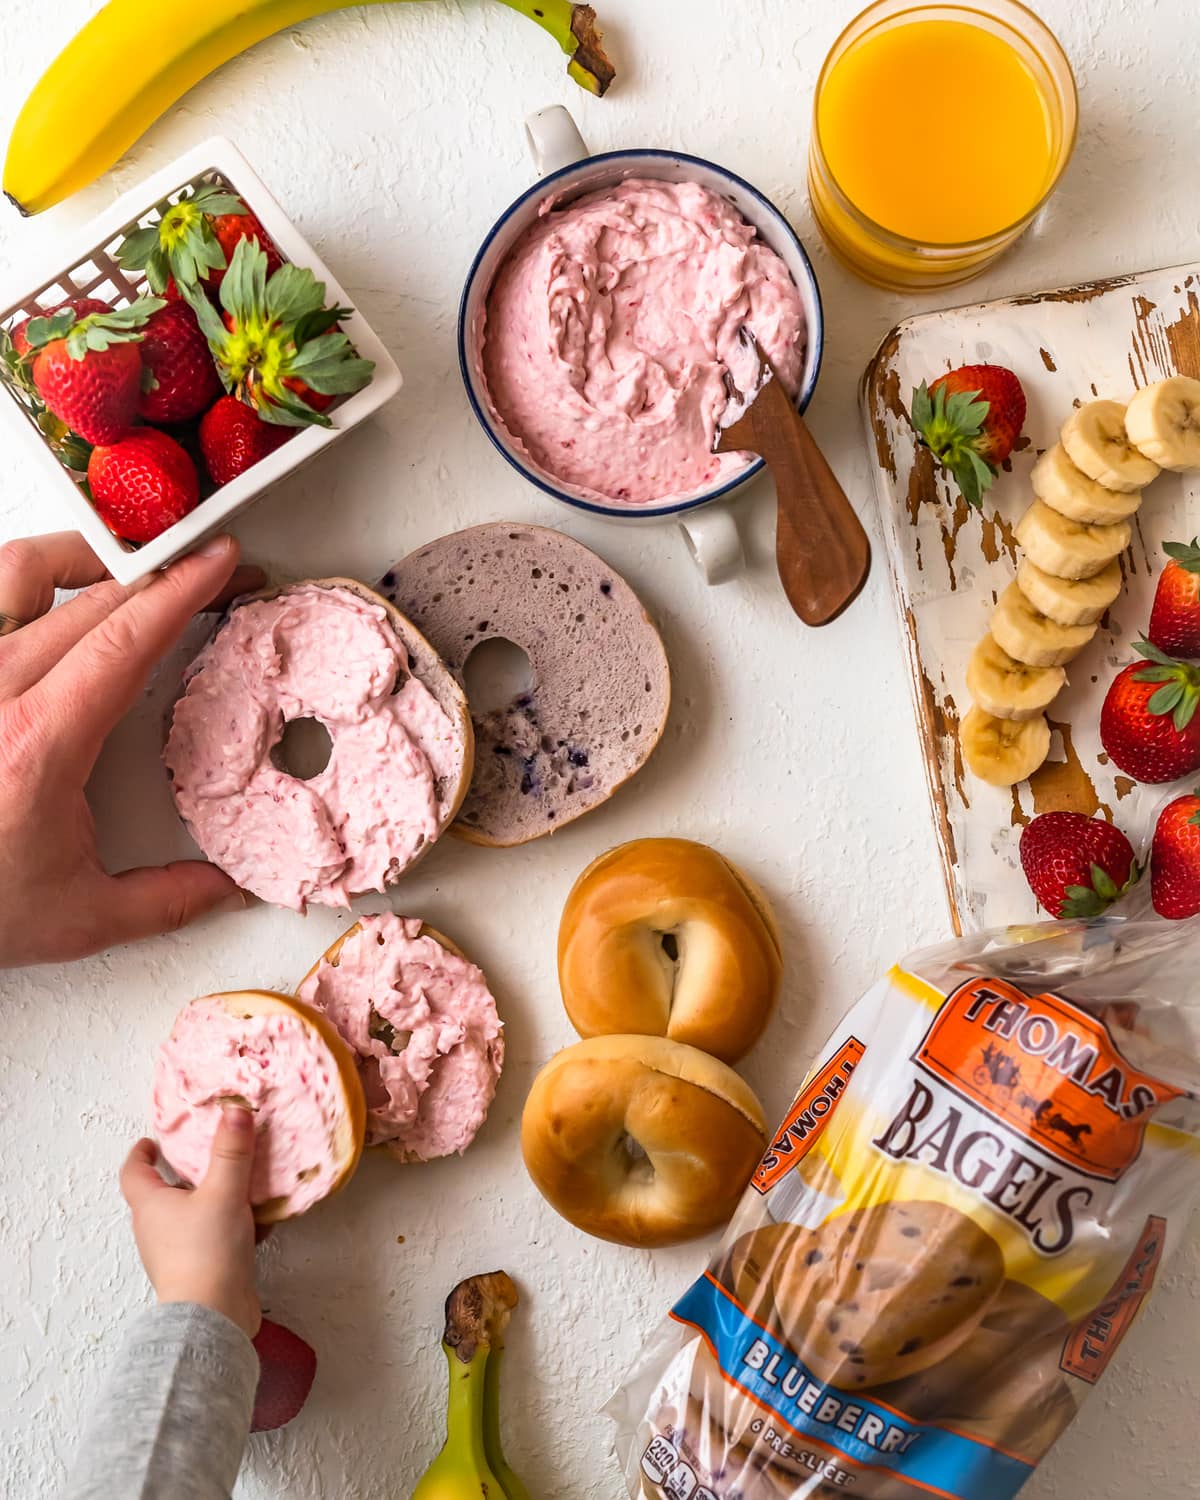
[[172, 1421]]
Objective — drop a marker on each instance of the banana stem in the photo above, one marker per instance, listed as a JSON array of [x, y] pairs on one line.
[[575, 30]]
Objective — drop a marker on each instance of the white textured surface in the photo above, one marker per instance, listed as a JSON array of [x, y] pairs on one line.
[[394, 143]]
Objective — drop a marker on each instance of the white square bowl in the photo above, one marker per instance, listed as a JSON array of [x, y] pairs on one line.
[[92, 270]]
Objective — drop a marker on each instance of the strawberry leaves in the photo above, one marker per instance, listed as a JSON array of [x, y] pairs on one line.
[[1179, 694], [951, 424], [182, 242], [1186, 554], [1089, 901], [278, 340], [98, 331]]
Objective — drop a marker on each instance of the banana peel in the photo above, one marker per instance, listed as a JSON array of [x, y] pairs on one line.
[[471, 1464], [136, 58]]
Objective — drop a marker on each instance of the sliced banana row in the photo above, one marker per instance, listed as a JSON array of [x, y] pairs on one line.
[[1086, 489]]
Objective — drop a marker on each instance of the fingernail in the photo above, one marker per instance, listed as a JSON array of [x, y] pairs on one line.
[[216, 546], [235, 901], [237, 1116]]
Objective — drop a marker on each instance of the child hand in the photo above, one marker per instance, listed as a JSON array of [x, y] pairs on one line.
[[197, 1244]]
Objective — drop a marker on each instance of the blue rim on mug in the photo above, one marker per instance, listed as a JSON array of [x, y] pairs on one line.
[[539, 189]]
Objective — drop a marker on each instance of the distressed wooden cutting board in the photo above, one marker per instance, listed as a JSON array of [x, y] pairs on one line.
[[949, 563]]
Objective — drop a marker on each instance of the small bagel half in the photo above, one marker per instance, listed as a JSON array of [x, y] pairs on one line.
[[666, 937], [641, 1140], [272, 1053], [423, 1025]]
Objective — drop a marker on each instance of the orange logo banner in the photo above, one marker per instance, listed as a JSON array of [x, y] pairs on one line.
[[1094, 1341], [808, 1116], [1047, 1070]]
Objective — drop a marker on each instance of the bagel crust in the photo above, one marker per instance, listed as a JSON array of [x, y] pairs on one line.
[[666, 937], [284, 1061], [641, 1140]]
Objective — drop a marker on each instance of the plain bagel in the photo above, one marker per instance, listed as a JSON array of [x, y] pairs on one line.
[[400, 741], [285, 1062], [641, 1140], [665, 937]]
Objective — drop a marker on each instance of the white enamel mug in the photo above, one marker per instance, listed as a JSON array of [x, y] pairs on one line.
[[568, 171]]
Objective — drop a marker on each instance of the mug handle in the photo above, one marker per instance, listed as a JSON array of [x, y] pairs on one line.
[[554, 140], [712, 538]]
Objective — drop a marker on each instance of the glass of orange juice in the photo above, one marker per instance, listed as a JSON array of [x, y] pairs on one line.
[[938, 133]]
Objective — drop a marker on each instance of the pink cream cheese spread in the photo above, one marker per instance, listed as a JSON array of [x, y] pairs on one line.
[[424, 1026], [324, 654], [611, 326], [278, 1065]]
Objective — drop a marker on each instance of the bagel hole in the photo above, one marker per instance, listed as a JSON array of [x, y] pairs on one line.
[[496, 674], [303, 749], [670, 946], [637, 1164], [380, 1029]]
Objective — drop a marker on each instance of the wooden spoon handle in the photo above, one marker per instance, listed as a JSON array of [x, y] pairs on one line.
[[821, 549]]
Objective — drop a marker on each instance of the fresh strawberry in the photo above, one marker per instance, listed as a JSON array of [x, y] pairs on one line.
[[82, 307], [233, 437], [143, 484], [1075, 865], [231, 229], [180, 379], [1148, 724], [1175, 858], [189, 247], [1175, 617], [277, 345], [970, 420], [287, 1367], [88, 371]]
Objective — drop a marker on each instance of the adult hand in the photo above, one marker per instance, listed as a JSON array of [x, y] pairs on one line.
[[197, 1245], [67, 676]]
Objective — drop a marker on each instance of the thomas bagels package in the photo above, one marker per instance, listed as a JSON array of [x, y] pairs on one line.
[[950, 1233]]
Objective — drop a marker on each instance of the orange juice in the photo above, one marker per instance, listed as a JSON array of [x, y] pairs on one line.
[[938, 132]]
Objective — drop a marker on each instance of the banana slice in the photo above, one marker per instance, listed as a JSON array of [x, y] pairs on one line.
[[1069, 491], [1003, 751], [1032, 637], [1163, 422], [1096, 442], [1007, 688], [1070, 601], [1066, 548]]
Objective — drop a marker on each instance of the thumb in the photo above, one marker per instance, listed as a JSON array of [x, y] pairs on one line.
[[164, 898], [232, 1159]]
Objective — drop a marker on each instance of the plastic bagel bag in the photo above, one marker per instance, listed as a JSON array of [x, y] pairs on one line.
[[950, 1233]]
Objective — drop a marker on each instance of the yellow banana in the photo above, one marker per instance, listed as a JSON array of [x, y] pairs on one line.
[[461, 1470], [135, 58], [471, 1465]]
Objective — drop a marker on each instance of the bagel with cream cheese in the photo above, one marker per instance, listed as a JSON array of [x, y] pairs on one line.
[[288, 1065], [641, 1140], [423, 1026], [401, 745], [666, 937]]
